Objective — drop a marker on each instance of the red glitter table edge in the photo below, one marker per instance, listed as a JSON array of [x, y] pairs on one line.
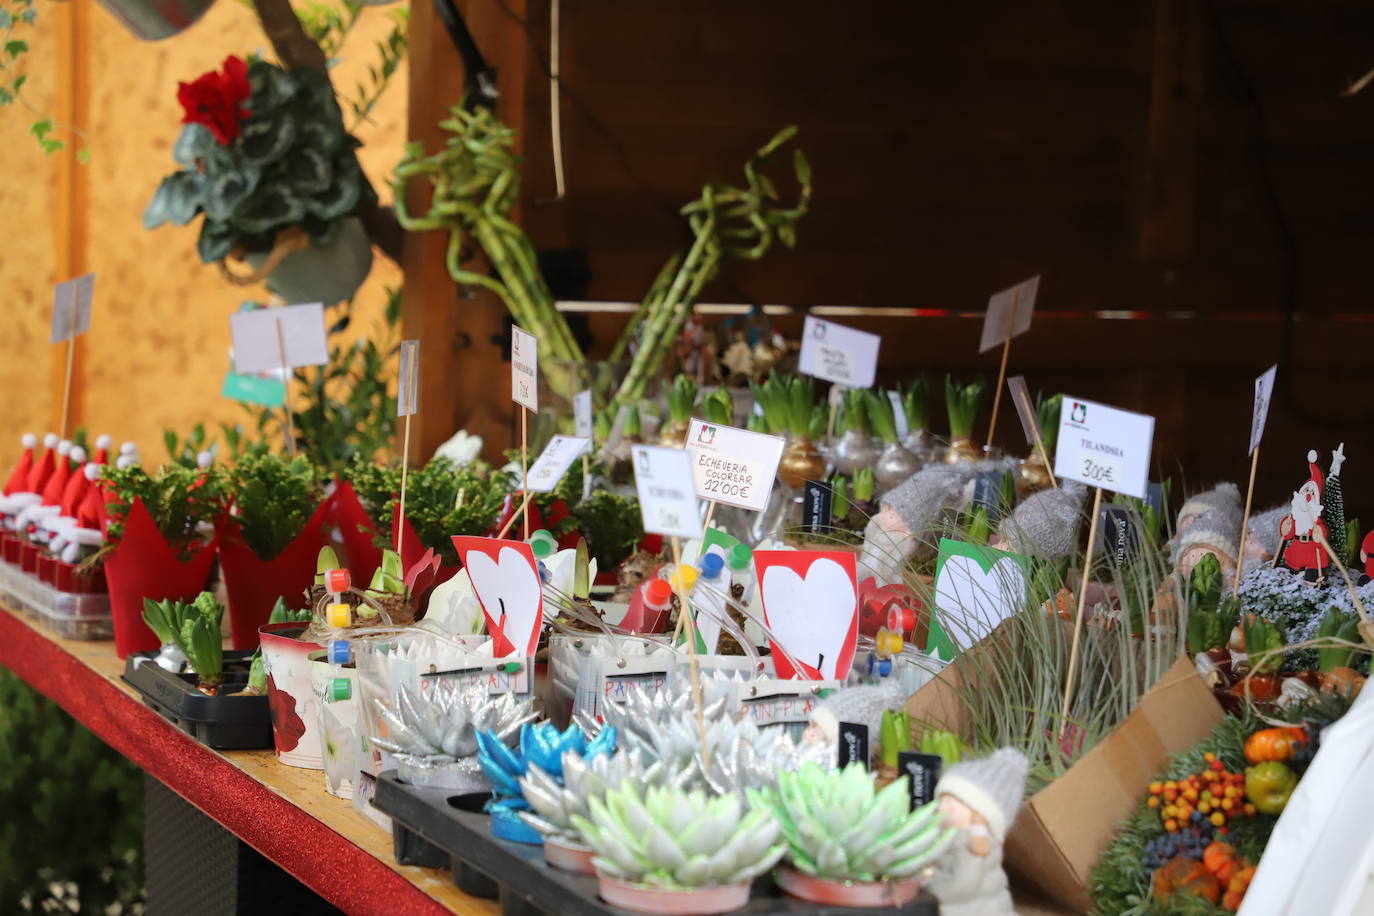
[[334, 867]]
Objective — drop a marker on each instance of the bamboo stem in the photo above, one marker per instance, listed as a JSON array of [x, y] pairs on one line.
[[1002, 370], [1078, 617], [1245, 520]]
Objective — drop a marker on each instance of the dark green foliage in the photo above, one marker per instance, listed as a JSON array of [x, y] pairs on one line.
[[178, 498], [375, 485], [612, 526], [443, 500], [1210, 616], [71, 810], [273, 499]]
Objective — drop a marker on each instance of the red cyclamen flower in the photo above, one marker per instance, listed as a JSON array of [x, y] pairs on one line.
[[215, 100]]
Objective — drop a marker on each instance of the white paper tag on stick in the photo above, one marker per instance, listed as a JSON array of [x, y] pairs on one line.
[[731, 465], [667, 500], [1009, 314], [408, 382], [553, 462], [834, 353], [524, 368], [1264, 392], [1020, 397], [71, 307], [582, 414], [268, 339], [898, 415], [1104, 447]]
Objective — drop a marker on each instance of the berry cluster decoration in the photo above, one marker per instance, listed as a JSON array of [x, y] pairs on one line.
[[1210, 798]]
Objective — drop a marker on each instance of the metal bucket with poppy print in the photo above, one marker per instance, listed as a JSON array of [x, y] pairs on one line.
[[152, 20], [290, 696]]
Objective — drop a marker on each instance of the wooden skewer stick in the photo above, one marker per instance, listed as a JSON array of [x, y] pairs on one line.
[[67, 383], [405, 467], [524, 470], [523, 507], [286, 391], [1078, 617], [685, 610], [710, 510], [1245, 520], [1040, 443], [1002, 371]]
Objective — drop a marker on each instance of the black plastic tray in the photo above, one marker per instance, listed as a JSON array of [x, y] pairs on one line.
[[430, 829], [228, 722]]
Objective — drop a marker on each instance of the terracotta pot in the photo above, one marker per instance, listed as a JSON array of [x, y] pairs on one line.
[[697, 902], [848, 893], [291, 697], [801, 462], [569, 856], [254, 585]]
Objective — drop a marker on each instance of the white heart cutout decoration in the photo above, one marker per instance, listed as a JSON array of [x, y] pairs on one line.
[[508, 588], [811, 618], [971, 602]]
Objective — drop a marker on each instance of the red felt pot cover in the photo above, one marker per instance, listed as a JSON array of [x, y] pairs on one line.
[[47, 568], [90, 582], [12, 547], [362, 556], [28, 557], [143, 565], [254, 585]]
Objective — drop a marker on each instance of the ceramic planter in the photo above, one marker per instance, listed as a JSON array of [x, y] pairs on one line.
[[848, 893], [572, 857], [151, 20], [253, 585], [295, 713], [321, 273], [643, 899]]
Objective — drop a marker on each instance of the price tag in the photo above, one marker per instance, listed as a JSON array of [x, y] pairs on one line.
[[922, 772], [1264, 391], [408, 379], [1104, 446], [1116, 533], [268, 339], [835, 353], [987, 492], [1020, 397], [853, 744], [817, 503], [266, 391], [1000, 324], [667, 500], [731, 465], [582, 414], [71, 308], [898, 415], [524, 368], [553, 462]]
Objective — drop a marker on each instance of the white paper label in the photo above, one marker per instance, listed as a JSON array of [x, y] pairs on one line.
[[667, 500], [71, 307], [772, 701], [731, 465], [553, 462], [1264, 392], [408, 381], [582, 414], [835, 353], [898, 414], [1104, 447], [524, 368], [1009, 314], [268, 339]]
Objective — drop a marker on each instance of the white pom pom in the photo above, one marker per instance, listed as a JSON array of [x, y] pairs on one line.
[[1312, 456], [64, 447], [92, 471], [78, 454], [128, 448], [50, 440], [103, 441], [125, 462], [28, 440], [205, 459]]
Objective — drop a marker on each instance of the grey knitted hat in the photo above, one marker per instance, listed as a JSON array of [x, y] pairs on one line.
[[1217, 527], [863, 705], [1224, 496], [992, 786], [920, 499], [1045, 525]]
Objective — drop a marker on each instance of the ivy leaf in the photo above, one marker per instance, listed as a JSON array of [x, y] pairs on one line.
[[19, 82], [15, 46], [41, 129]]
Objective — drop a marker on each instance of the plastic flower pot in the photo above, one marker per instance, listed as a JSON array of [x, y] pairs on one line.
[[644, 899], [341, 733], [254, 585], [572, 857], [295, 712], [143, 565], [848, 893]]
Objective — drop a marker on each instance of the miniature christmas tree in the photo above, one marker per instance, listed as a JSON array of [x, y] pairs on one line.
[[1333, 504]]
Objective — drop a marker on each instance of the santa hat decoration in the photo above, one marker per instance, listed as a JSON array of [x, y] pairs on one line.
[[102, 449], [57, 481], [75, 490], [1316, 472], [19, 478], [128, 456], [38, 476], [91, 512]]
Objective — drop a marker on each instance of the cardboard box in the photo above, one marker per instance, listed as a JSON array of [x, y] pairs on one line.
[[1063, 829]]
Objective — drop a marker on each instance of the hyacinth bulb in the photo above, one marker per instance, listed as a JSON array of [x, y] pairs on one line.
[[443, 721], [672, 839], [839, 827]]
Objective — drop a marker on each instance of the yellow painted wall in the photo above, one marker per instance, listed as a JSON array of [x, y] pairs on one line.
[[158, 347]]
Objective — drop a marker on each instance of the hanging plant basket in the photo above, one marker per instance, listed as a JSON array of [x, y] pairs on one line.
[[153, 20], [298, 270]]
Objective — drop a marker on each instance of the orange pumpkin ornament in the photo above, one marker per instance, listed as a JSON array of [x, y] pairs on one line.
[[1221, 861], [1187, 877], [1271, 744], [1236, 888]]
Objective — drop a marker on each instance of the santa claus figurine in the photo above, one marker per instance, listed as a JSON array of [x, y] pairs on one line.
[[1303, 532]]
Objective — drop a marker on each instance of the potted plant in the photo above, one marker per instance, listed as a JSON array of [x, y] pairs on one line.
[[849, 844], [663, 850], [895, 464], [916, 406], [963, 403], [160, 542], [286, 666], [682, 402], [194, 629], [266, 159], [444, 499], [855, 448], [787, 403], [269, 539], [555, 798], [1035, 472]]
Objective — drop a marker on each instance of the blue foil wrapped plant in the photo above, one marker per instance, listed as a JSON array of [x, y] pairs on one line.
[[542, 745]]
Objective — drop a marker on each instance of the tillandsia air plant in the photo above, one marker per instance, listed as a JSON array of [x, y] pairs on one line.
[[840, 828], [273, 498], [963, 403], [671, 839], [182, 502], [265, 157], [194, 629]]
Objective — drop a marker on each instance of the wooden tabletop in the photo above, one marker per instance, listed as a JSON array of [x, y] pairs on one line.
[[283, 812]]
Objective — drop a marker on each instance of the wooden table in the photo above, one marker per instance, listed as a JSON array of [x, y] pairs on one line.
[[283, 812]]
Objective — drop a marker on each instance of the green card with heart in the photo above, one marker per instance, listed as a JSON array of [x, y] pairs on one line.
[[976, 588]]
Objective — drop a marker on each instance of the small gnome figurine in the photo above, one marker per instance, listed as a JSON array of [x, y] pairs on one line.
[[980, 798], [1045, 524], [1303, 529]]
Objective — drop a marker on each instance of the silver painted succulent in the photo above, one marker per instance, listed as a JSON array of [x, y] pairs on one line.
[[441, 724], [553, 804]]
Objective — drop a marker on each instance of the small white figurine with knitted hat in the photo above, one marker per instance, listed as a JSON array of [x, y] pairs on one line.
[[1303, 529], [981, 799]]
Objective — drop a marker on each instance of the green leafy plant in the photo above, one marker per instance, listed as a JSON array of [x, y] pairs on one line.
[[963, 403], [682, 399], [719, 406], [894, 736], [1264, 645], [389, 577], [916, 403], [612, 525], [1047, 411], [376, 485], [292, 167], [864, 485], [1211, 616], [17, 18], [194, 629], [443, 499], [179, 499], [1339, 625], [273, 499], [329, 26], [881, 414], [787, 402], [853, 411]]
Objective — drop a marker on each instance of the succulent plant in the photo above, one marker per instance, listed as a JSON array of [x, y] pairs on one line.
[[673, 839], [554, 797], [542, 745], [838, 827], [442, 723]]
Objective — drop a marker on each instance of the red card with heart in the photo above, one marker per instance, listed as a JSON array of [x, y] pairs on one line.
[[811, 605], [506, 581]]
